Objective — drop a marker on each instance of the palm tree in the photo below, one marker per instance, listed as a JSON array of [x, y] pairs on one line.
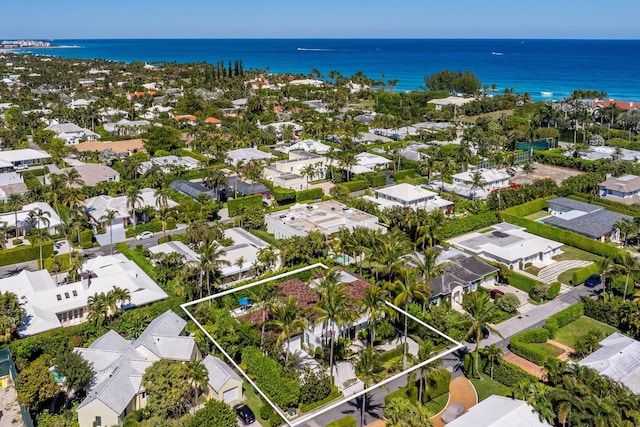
[[493, 354], [55, 267], [605, 265], [627, 265], [426, 350], [240, 263], [211, 261], [476, 182], [98, 308], [108, 217], [267, 257], [408, 289], [134, 199], [289, 319], [73, 178], [369, 369], [162, 195], [3, 235], [402, 412], [334, 308], [15, 202], [627, 227], [41, 218], [214, 178], [199, 376], [309, 172], [374, 305], [165, 215], [480, 309], [120, 295]]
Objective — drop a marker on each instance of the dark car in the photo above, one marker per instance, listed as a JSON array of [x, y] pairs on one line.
[[245, 414], [593, 281], [485, 335], [496, 293]]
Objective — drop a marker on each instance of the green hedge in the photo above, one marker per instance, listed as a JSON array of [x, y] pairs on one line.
[[86, 239], [269, 376], [554, 290], [25, 253], [469, 223], [311, 194], [153, 226], [517, 280], [508, 373], [441, 380], [390, 354], [529, 207], [235, 206], [568, 315], [519, 345], [564, 236], [348, 421], [283, 196], [356, 185], [334, 394], [378, 180], [582, 274], [400, 175], [610, 205]]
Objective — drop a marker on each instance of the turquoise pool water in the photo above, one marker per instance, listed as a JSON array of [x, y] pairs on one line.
[[339, 260], [57, 377]]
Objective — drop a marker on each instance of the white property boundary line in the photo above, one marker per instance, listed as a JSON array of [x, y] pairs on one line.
[[298, 421]]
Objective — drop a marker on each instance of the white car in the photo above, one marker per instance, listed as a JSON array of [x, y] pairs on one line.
[[144, 235]]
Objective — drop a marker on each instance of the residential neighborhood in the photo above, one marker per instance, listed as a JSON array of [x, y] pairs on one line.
[[179, 241]]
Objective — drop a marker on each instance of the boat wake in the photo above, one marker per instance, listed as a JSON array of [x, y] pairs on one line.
[[315, 50], [497, 53]]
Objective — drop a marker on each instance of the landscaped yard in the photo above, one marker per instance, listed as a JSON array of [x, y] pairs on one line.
[[532, 269], [568, 334], [436, 405], [254, 402], [551, 350], [569, 252], [537, 215], [487, 387]]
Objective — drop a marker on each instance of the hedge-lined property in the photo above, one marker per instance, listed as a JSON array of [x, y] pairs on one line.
[[400, 175], [268, 375], [283, 196], [439, 386], [358, 185], [563, 318], [519, 345], [503, 372], [235, 206], [25, 253], [311, 194], [348, 421], [468, 224], [554, 290], [582, 274], [529, 207], [153, 226], [335, 393]]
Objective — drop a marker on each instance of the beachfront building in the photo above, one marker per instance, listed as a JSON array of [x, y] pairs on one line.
[[325, 217], [119, 365], [412, 196], [50, 305], [624, 189], [585, 219], [450, 101], [294, 173], [510, 245]]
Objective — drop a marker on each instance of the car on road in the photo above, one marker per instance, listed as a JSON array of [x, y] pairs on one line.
[[144, 235], [485, 335], [245, 414], [593, 281]]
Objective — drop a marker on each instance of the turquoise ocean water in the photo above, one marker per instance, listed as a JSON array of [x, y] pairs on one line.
[[544, 68]]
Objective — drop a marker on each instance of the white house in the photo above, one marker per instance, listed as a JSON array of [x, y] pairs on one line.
[[245, 155], [25, 156], [72, 133], [11, 183], [500, 411], [128, 127], [119, 365], [510, 245], [26, 220], [97, 207], [412, 196], [325, 217], [289, 173], [310, 145], [93, 173], [168, 163], [367, 162], [49, 306]]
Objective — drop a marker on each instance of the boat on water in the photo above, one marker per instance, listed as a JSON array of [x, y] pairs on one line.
[[496, 53], [546, 94]]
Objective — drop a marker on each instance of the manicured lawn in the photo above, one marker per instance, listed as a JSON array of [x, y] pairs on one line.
[[533, 270], [436, 405], [551, 350], [566, 276], [569, 252], [537, 215], [568, 334], [254, 402], [487, 387]]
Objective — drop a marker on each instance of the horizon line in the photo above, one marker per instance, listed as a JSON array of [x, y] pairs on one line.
[[323, 38]]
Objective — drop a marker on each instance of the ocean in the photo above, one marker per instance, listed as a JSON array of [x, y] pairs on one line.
[[546, 69]]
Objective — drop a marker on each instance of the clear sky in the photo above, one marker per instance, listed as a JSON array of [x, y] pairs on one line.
[[86, 19]]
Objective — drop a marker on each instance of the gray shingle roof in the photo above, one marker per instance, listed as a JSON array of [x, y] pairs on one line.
[[461, 270], [192, 189], [574, 205], [219, 372], [593, 225]]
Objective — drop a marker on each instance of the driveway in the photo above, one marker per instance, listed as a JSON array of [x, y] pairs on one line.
[[550, 273], [460, 391]]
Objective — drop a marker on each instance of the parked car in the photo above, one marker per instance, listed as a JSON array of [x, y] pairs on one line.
[[452, 412], [593, 281], [144, 235], [245, 414], [496, 293], [485, 335]]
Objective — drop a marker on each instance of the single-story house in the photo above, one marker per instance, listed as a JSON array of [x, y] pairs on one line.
[[245, 155], [119, 365], [619, 359], [246, 186], [624, 189], [26, 220], [25, 156], [120, 148], [193, 189], [245, 247], [11, 183], [500, 411], [176, 247], [413, 196], [93, 173], [510, 245], [97, 207], [368, 162], [224, 384], [585, 219], [456, 101], [309, 145], [167, 163]]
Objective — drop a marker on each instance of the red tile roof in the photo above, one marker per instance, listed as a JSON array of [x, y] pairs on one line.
[[134, 94], [185, 117], [623, 105], [212, 120]]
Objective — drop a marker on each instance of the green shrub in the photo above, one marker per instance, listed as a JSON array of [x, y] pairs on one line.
[[86, 239], [564, 236], [154, 226], [580, 275], [378, 180], [265, 412], [235, 206], [311, 194], [568, 315], [25, 253], [348, 421], [551, 325], [400, 175], [356, 185], [441, 380], [335, 393], [16, 242], [554, 290], [469, 223], [519, 345], [508, 373], [529, 207], [390, 354], [283, 196], [398, 394], [269, 376]]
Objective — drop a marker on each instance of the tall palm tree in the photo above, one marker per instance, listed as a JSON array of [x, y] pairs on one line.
[[98, 308], [369, 369], [134, 199], [627, 227], [627, 265], [240, 263], [121, 296], [334, 308], [211, 261], [373, 304], [267, 257], [605, 265], [309, 172], [480, 310], [199, 376], [108, 217], [41, 220], [493, 354], [290, 319], [73, 178], [476, 182], [408, 289], [15, 202], [426, 350]]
